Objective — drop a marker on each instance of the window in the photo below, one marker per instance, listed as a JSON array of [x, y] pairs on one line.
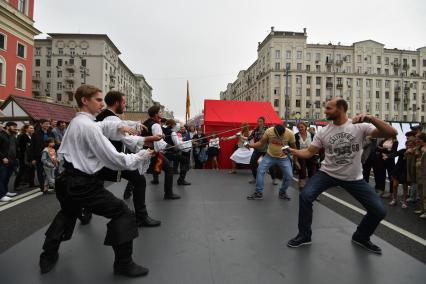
[[298, 79], [276, 103], [318, 68], [2, 71], [20, 77], [386, 95], [59, 62], [22, 6], [83, 62], [379, 60], [308, 56], [387, 83], [59, 97], [369, 59], [37, 74], [317, 56], [277, 66], [2, 41], [424, 62], [318, 80], [386, 60], [377, 94], [49, 62], [47, 86], [318, 92], [48, 74], [358, 58], [21, 50], [49, 51], [377, 106], [348, 58], [348, 69], [37, 51], [308, 92], [378, 83], [358, 94], [298, 92], [308, 68], [72, 51], [288, 66], [277, 54], [37, 62], [299, 66], [288, 54], [59, 74], [299, 55], [61, 51], [308, 80], [59, 86], [413, 62], [297, 103]]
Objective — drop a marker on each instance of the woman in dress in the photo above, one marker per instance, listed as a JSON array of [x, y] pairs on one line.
[[243, 154]]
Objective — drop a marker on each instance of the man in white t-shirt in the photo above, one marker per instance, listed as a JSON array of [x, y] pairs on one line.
[[342, 140]]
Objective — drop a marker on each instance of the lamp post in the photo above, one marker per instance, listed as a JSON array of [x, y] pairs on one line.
[[287, 101]]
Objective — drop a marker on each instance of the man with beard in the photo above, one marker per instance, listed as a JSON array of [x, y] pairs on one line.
[[8, 161], [116, 103], [342, 140]]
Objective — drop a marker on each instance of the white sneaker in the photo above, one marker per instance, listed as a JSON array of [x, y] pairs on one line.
[[423, 216], [5, 199], [11, 194]]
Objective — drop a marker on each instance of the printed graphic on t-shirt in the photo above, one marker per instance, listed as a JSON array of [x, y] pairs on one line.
[[341, 146]]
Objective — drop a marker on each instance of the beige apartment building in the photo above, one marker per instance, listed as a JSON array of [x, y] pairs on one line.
[[62, 62], [388, 83]]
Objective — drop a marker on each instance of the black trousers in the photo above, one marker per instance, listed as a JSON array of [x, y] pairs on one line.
[[26, 173], [168, 172], [370, 164], [138, 183], [76, 190], [184, 162], [253, 163], [383, 167]]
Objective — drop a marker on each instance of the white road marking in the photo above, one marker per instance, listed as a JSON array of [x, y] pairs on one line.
[[384, 223], [21, 198]]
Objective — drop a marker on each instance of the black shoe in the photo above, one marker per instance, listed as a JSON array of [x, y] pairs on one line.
[[255, 196], [183, 182], [171, 196], [283, 195], [154, 182], [368, 245], [130, 270], [47, 261], [299, 241], [147, 222]]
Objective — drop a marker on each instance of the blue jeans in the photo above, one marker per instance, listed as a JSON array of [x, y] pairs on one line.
[[266, 163], [359, 189], [6, 171]]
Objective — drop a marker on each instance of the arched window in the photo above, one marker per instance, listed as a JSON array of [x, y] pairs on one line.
[[21, 76], [2, 71]]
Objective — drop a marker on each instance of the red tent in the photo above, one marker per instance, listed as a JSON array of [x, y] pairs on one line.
[[220, 116]]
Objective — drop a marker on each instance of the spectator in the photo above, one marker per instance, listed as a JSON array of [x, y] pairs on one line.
[[386, 165], [38, 140], [213, 151], [58, 133], [399, 175], [242, 154], [306, 167], [200, 149], [411, 167], [26, 170], [369, 158], [50, 164], [8, 159], [421, 172]]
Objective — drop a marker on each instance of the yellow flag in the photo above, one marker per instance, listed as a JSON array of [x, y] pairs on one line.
[[188, 103]]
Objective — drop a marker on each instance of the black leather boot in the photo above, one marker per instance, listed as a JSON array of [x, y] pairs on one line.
[[49, 256], [143, 220], [124, 265]]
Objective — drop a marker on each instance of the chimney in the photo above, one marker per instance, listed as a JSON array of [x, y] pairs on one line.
[[304, 31], [272, 29]]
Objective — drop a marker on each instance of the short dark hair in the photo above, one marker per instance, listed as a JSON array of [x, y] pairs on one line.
[[341, 103], [112, 97], [262, 118], [43, 120], [85, 91], [10, 123], [410, 133], [49, 140], [152, 111], [163, 120], [279, 129]]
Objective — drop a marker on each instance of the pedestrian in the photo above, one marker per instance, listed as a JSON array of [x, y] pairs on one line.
[[385, 164], [26, 169], [342, 140], [276, 138], [86, 150], [200, 144], [8, 159], [213, 151], [242, 154], [305, 167], [420, 154]]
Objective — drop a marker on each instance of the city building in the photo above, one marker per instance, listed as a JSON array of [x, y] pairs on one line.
[[16, 47], [388, 83], [63, 61]]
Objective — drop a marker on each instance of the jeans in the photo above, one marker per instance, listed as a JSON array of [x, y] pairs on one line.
[[253, 163], [359, 189], [6, 171], [266, 163]]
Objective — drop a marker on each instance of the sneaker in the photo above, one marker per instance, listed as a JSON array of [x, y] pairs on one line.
[[392, 203], [283, 195], [368, 245], [274, 182], [299, 241], [404, 206], [423, 216], [5, 199], [11, 194], [255, 196], [418, 212]]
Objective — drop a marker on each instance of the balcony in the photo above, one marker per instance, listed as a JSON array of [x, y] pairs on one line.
[[112, 75], [36, 79], [405, 66], [36, 87], [329, 85], [68, 89], [396, 65], [329, 62], [339, 86], [406, 90], [70, 79], [70, 67], [397, 99], [397, 89], [339, 62]]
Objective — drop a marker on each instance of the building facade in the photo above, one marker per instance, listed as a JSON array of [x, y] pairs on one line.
[[16, 47], [62, 62], [297, 78]]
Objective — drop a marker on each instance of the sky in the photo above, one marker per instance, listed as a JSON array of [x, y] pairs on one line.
[[207, 42]]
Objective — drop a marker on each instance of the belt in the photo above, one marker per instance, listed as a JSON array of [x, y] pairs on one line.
[[70, 168]]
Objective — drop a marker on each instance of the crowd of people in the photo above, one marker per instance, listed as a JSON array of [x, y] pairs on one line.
[[98, 146], [31, 154]]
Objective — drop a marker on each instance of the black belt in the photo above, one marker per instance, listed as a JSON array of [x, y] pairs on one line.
[[70, 168]]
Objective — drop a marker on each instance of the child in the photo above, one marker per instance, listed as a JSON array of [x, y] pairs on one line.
[[50, 164]]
